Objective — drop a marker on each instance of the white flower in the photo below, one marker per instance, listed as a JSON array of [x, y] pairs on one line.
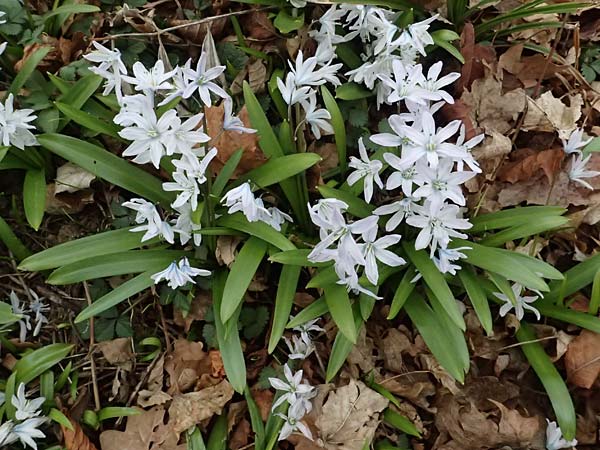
[[292, 423], [399, 210], [150, 135], [298, 347], [290, 92], [180, 274], [183, 137], [15, 126], [420, 36], [202, 80], [188, 187], [519, 303], [3, 47], [296, 392], [438, 226], [111, 68], [430, 143], [26, 409], [318, 119], [578, 172], [554, 438], [327, 214], [306, 328], [180, 83], [7, 436], [24, 322], [376, 250], [404, 176], [38, 307], [153, 80], [242, 199], [397, 123], [406, 84], [434, 86], [28, 430], [367, 170], [306, 75], [155, 226], [275, 217], [575, 142], [231, 122], [468, 146], [446, 257], [441, 183], [298, 3], [2, 21], [185, 226]]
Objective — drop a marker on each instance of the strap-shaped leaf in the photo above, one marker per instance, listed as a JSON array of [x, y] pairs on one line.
[[33, 364], [298, 257], [575, 279], [342, 346], [107, 166], [12, 242], [261, 230], [340, 309], [522, 230], [279, 169], [514, 216], [339, 127], [404, 289], [312, 311], [27, 69], [284, 300], [478, 297], [356, 206], [34, 197]]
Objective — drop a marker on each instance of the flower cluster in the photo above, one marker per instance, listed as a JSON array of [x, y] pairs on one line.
[[295, 393], [177, 135], [33, 312], [577, 171], [28, 418], [15, 124]]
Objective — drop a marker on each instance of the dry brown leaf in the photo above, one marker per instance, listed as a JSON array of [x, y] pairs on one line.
[[548, 113], [257, 76], [225, 250], [186, 363], [198, 308], [66, 203], [350, 416], [529, 162], [490, 108], [72, 178], [362, 353], [394, 344], [216, 364], [258, 26], [228, 142], [76, 439], [117, 351], [153, 394], [582, 359], [239, 438], [475, 55], [264, 401], [192, 408]]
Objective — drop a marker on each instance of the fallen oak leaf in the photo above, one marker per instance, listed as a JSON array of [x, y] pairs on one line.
[[582, 359], [549, 161], [76, 439]]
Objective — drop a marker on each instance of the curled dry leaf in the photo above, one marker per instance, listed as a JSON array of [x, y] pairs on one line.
[[350, 416], [76, 439], [72, 178], [225, 250], [548, 113], [582, 359], [529, 162], [194, 407], [186, 363], [258, 25]]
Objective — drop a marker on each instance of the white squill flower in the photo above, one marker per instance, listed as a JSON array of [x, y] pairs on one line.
[[519, 303], [178, 275], [554, 438]]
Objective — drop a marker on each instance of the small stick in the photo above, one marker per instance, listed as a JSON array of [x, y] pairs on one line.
[[91, 350]]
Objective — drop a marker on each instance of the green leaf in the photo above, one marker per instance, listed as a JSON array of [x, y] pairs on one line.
[[595, 297], [284, 300], [261, 230], [58, 417], [436, 336], [575, 279], [80, 249], [27, 69], [340, 309], [34, 197], [297, 257], [226, 172], [33, 364], [404, 289], [324, 277], [79, 93], [12, 242], [217, 440], [111, 412], [356, 206], [552, 380], [593, 146], [520, 231], [279, 169], [286, 23], [71, 9], [439, 40], [514, 216], [256, 419], [478, 298], [229, 343], [117, 295], [312, 311], [342, 346], [88, 121], [122, 263], [242, 271], [400, 422], [352, 91], [107, 166], [339, 127], [581, 319], [500, 261], [436, 282], [9, 391]]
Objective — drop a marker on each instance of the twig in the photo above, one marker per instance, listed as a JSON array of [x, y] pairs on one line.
[[182, 25], [538, 86], [91, 350]]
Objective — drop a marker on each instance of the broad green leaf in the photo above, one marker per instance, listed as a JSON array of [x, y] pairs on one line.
[[478, 298], [352, 91], [356, 206], [595, 297], [74, 8], [122, 263], [324, 277], [229, 343], [111, 412], [46, 381], [194, 440], [581, 319], [34, 197], [226, 172], [502, 262], [436, 282], [12, 242], [522, 230], [284, 300], [514, 216], [80, 92], [279, 169], [404, 289], [436, 336], [107, 166], [312, 311], [10, 389], [538, 267], [261, 230], [400, 422], [88, 121], [242, 271], [439, 40], [282, 107], [287, 23], [258, 425], [117, 295], [340, 309], [27, 69], [339, 127], [96, 245], [33, 364], [575, 279], [58, 417], [342, 346], [593, 146], [551, 379], [298, 257]]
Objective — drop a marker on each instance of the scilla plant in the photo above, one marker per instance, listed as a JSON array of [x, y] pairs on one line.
[[388, 225]]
